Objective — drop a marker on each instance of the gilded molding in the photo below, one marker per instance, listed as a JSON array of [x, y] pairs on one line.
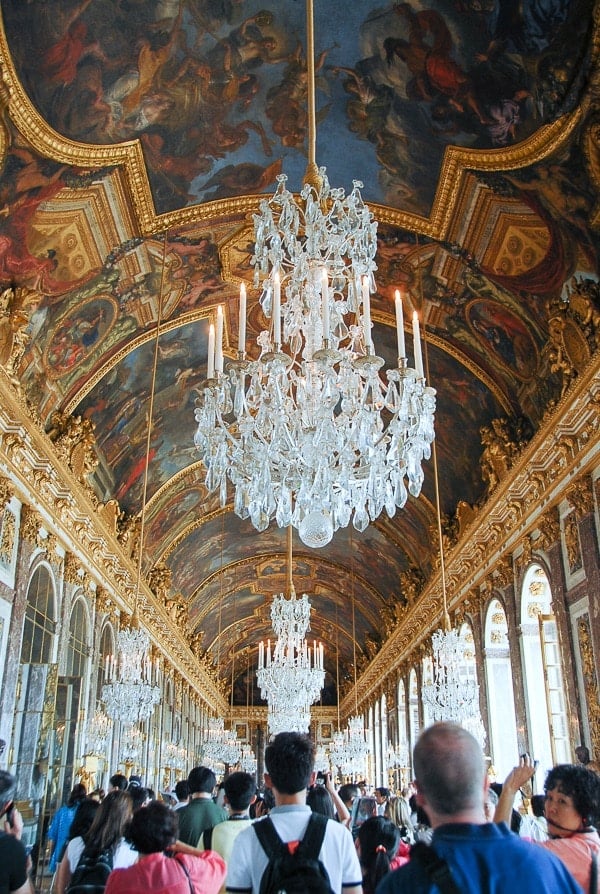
[[590, 680], [30, 525], [581, 496], [6, 491]]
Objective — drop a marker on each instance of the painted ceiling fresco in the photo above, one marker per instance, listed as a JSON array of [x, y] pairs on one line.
[[136, 136]]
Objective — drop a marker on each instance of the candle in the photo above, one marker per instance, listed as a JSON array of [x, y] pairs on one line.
[[276, 313], [325, 303], [242, 319], [400, 325], [417, 346], [261, 654], [210, 370], [366, 313], [219, 341]]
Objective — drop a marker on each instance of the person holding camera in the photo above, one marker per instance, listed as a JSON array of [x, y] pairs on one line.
[[14, 862]]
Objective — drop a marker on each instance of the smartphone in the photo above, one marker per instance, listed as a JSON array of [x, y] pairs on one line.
[[10, 813]]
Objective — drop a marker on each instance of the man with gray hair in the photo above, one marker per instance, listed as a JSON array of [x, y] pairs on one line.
[[467, 854], [14, 862]]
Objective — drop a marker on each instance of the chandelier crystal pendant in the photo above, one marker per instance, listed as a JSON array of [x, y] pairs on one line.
[[131, 689], [220, 746], [309, 434]]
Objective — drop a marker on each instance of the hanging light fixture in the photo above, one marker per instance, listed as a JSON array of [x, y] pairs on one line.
[[309, 434], [131, 688], [349, 747], [290, 678], [451, 695], [97, 734]]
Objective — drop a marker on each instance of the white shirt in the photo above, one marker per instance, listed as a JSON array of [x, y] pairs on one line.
[[124, 854], [338, 854]]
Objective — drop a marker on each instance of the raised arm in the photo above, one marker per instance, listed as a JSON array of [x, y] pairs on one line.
[[517, 777]]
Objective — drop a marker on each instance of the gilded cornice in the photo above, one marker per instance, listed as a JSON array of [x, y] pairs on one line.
[[54, 499], [581, 496], [563, 451]]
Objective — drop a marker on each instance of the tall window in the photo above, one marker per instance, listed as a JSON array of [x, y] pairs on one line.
[[503, 724]]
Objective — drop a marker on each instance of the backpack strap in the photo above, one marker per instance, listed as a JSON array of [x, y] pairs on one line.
[[311, 843], [594, 874], [436, 867], [270, 841]]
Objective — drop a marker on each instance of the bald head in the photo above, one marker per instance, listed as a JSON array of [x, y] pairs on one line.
[[450, 770]]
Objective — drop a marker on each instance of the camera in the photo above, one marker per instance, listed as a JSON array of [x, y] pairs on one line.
[[321, 778]]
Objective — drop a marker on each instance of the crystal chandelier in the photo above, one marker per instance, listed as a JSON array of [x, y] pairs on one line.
[[248, 759], [220, 746], [131, 691], [451, 695], [308, 433], [350, 749], [292, 676], [97, 735], [130, 746]]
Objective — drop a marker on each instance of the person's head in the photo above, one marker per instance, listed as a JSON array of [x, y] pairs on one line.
[[84, 817], [450, 774], [490, 804], [319, 801], [182, 790], [538, 803], [201, 780], [153, 828], [376, 844], [398, 812], [7, 788], [118, 782], [134, 782], [77, 794], [240, 790], [582, 753], [348, 792], [381, 794], [289, 760], [140, 796], [111, 821], [97, 795], [572, 799]]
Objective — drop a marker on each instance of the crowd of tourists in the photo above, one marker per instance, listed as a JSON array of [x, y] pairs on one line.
[[450, 831]]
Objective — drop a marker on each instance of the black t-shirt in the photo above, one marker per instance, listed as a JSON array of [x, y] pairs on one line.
[[13, 863]]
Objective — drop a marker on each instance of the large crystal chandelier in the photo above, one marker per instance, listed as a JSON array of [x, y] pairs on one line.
[[131, 689], [292, 676], [350, 749], [308, 433]]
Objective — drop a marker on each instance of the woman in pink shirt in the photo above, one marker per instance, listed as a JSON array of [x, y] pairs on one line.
[[153, 831]]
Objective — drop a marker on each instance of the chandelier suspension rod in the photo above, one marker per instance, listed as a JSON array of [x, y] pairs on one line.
[[291, 591], [436, 478], [337, 662], [149, 430], [353, 622], [311, 169]]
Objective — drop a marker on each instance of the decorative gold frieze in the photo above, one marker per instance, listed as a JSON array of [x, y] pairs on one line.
[[580, 496], [572, 543], [549, 529], [72, 569], [503, 572], [6, 492], [30, 525], [74, 440]]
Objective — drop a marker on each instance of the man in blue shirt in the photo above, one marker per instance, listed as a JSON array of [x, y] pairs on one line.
[[481, 857]]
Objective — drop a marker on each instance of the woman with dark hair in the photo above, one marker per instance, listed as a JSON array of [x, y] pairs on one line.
[[61, 823], [572, 808], [108, 830], [319, 800], [377, 844], [154, 830]]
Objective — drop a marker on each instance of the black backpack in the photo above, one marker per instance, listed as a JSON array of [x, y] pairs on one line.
[[300, 872], [91, 873]]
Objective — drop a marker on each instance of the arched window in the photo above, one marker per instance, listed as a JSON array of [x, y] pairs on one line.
[[40, 619], [542, 672], [503, 724], [413, 708]]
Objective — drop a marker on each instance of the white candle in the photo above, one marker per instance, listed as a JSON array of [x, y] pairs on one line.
[[210, 370], [366, 313], [261, 654], [417, 346], [276, 312], [400, 324], [320, 656], [325, 303], [219, 341], [242, 319]]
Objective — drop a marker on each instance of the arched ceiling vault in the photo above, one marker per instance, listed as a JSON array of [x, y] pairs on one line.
[[136, 141]]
